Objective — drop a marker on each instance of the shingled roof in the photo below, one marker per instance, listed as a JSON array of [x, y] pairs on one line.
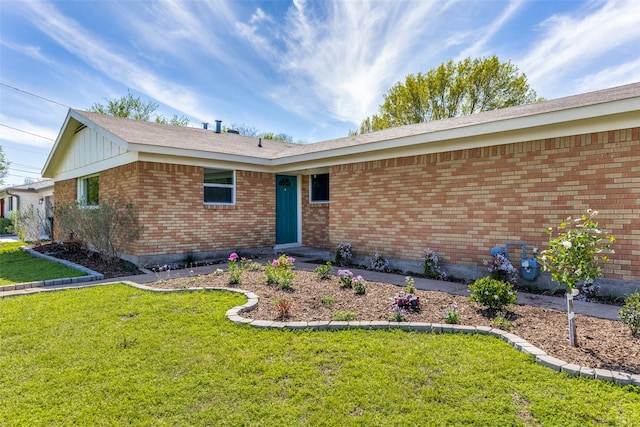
[[493, 127]]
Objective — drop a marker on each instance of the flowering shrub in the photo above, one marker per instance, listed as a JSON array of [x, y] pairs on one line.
[[575, 254], [410, 285], [343, 254], [346, 278], [278, 272], [407, 301], [235, 270], [630, 313], [162, 272], [501, 269], [452, 316], [491, 293], [323, 271], [432, 268], [378, 263], [359, 286], [398, 314]]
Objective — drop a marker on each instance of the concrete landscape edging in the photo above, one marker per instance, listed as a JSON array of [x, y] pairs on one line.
[[518, 343]]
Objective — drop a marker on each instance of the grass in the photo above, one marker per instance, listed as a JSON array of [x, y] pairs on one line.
[[17, 266], [115, 355]]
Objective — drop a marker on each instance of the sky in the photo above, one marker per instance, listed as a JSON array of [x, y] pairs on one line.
[[310, 69]]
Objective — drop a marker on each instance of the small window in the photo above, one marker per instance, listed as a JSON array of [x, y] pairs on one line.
[[320, 188], [89, 190], [219, 187]]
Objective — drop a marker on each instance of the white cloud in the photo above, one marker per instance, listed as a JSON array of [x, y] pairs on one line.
[[100, 55], [344, 55], [572, 43], [22, 131], [479, 47]]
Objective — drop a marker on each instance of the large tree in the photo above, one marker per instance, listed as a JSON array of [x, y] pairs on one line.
[[134, 108], [451, 89]]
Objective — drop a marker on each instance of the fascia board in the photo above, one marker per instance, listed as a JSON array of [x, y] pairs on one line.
[[93, 168], [595, 118], [190, 159], [150, 151]]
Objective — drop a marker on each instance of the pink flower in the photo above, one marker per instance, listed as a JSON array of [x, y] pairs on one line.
[[275, 263], [291, 260], [233, 257]]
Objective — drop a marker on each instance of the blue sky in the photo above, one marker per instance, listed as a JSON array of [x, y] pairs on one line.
[[310, 69]]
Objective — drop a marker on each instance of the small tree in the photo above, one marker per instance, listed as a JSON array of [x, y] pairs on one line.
[[106, 228], [27, 224], [575, 256]]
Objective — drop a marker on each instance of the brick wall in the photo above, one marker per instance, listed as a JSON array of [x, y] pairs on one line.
[[169, 199], [65, 193], [315, 219], [463, 203]]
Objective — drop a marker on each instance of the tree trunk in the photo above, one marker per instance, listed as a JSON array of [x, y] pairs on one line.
[[573, 340]]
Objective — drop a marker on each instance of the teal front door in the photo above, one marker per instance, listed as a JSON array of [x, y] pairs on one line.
[[286, 209]]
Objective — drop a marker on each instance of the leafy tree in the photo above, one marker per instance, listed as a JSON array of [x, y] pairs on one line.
[[255, 133], [575, 256], [450, 90], [4, 166], [135, 108]]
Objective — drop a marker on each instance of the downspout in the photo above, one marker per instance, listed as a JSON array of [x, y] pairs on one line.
[[17, 199]]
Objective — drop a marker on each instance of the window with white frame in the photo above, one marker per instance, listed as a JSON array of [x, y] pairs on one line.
[[319, 188], [219, 187], [89, 190]]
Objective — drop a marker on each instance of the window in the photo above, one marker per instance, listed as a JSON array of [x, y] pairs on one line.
[[319, 188], [219, 187], [88, 190]]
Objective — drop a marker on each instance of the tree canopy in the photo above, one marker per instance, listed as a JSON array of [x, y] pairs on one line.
[[449, 90], [134, 108]]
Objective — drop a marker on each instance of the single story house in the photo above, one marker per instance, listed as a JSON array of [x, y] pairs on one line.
[[459, 186], [38, 194]]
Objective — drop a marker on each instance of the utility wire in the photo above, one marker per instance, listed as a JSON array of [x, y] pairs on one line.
[[24, 131], [33, 94]]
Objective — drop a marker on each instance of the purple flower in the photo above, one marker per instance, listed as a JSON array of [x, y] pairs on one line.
[[291, 260], [233, 257], [275, 263]]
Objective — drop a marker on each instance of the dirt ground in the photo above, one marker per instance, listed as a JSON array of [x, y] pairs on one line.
[[605, 344]]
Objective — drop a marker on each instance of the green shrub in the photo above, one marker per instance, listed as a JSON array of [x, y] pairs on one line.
[[344, 316], [6, 227], [323, 271], [327, 300], [491, 293], [630, 313]]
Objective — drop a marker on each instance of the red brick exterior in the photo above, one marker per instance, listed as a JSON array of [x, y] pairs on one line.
[[463, 203], [460, 203], [175, 220], [315, 219]]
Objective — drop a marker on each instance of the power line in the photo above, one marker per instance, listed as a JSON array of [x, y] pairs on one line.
[[23, 165], [33, 94], [24, 131], [28, 151]]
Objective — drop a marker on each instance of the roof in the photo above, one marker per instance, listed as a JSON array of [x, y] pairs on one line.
[[31, 187], [578, 114]]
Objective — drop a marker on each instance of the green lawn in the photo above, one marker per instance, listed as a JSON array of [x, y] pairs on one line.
[[115, 355], [17, 266]]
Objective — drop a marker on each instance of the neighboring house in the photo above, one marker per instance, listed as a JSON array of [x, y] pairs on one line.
[[458, 186], [38, 194]]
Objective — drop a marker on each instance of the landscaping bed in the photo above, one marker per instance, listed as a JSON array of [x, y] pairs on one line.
[[605, 344]]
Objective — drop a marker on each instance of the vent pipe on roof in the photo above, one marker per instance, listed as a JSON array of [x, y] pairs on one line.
[[218, 126], [260, 142], [205, 125]]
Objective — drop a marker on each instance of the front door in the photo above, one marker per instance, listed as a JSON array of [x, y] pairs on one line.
[[286, 209]]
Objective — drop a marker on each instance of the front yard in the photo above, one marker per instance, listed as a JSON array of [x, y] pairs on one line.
[[115, 355]]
